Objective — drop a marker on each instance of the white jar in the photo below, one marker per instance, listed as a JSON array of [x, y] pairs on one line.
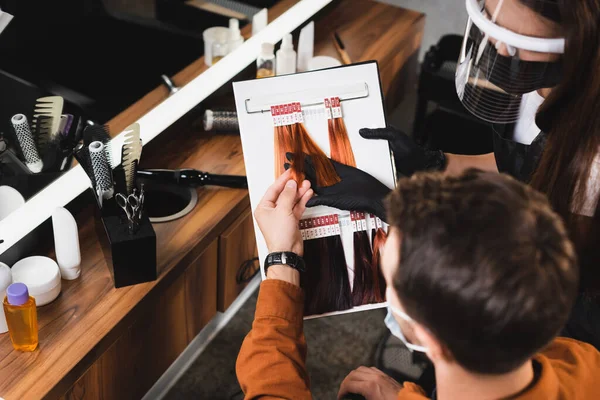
[[42, 277], [211, 35]]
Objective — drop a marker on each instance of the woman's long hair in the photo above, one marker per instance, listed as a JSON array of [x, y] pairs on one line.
[[571, 118], [570, 115]]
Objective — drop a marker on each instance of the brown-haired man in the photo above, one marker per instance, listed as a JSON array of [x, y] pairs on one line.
[[481, 277]]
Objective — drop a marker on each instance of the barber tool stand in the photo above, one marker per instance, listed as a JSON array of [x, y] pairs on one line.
[[131, 257]]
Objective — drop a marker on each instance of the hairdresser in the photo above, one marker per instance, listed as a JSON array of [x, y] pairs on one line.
[[531, 68]]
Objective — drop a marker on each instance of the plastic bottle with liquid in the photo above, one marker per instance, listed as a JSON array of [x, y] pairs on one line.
[[265, 63], [235, 37], [286, 56], [21, 317]]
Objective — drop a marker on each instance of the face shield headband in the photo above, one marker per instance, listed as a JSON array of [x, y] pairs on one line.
[[491, 85]]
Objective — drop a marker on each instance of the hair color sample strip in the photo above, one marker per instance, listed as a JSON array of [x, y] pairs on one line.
[[325, 282], [339, 143], [363, 285], [292, 137], [379, 238]]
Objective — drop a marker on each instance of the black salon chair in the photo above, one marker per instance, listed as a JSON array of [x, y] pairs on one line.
[[441, 121], [101, 61]]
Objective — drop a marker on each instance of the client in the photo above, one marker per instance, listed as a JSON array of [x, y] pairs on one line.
[[481, 277]]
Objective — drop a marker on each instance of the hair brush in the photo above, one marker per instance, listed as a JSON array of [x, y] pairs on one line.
[[99, 133]]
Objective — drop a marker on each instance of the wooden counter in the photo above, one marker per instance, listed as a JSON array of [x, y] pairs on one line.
[[98, 342]]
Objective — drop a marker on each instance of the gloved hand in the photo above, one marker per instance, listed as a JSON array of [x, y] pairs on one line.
[[409, 157], [357, 190]]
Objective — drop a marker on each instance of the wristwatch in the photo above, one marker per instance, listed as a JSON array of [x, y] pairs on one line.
[[285, 258]]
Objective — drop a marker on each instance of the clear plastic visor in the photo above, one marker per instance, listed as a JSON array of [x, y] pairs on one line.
[[497, 66]]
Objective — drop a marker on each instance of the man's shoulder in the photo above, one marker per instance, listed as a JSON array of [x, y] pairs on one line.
[[575, 365]]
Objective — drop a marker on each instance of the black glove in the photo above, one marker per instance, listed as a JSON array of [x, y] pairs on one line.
[[409, 157], [357, 190]]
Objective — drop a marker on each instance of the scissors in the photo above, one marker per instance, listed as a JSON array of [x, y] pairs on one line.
[[131, 206], [141, 201]]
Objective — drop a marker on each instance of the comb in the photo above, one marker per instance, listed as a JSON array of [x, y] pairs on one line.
[[130, 154], [46, 120]]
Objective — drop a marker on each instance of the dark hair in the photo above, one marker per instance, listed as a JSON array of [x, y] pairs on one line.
[[571, 119], [326, 284], [365, 289], [485, 265]]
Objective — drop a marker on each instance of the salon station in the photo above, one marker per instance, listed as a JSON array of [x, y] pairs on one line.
[[144, 142], [147, 282]]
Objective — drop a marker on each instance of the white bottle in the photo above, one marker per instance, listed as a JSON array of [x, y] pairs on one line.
[[235, 37], [66, 243], [286, 57], [5, 281]]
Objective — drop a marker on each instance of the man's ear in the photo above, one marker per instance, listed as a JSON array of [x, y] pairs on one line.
[[436, 351]]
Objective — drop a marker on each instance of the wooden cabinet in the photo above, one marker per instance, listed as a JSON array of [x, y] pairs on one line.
[[143, 353], [236, 245], [171, 320]]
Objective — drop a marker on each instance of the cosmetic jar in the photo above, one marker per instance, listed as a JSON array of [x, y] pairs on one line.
[[42, 277], [322, 62], [217, 34]]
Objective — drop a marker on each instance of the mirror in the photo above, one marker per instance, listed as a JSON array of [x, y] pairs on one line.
[[101, 57], [71, 182]]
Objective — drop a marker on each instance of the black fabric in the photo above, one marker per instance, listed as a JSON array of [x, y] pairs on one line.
[[584, 321], [517, 159], [357, 190], [518, 77]]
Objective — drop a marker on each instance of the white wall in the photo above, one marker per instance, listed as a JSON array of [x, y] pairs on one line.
[[443, 16]]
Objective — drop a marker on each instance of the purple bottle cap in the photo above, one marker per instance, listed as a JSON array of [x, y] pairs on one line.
[[17, 294]]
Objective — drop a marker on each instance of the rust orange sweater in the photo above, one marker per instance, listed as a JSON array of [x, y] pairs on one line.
[[271, 363]]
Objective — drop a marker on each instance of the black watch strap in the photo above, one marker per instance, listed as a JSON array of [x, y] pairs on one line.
[[285, 258]]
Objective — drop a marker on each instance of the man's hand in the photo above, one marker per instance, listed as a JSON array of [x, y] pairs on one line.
[[278, 215], [370, 383]]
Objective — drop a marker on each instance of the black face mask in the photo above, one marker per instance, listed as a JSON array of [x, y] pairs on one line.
[[513, 75], [518, 77]]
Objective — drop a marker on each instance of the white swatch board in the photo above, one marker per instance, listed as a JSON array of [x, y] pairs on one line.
[[358, 86]]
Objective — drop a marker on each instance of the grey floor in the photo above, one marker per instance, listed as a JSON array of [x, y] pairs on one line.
[[337, 345]]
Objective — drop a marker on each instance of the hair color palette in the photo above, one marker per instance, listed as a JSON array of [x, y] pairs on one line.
[[319, 113]]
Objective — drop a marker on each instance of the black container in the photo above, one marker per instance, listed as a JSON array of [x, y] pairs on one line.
[[131, 258]]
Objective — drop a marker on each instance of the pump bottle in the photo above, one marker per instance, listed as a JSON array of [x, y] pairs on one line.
[[286, 57]]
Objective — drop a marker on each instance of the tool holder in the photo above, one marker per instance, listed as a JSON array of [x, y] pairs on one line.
[[131, 258]]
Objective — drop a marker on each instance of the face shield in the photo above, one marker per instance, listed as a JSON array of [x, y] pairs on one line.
[[497, 65]]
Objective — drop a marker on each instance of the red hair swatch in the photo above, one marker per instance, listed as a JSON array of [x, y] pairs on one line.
[[363, 285], [294, 138], [379, 239], [339, 143]]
